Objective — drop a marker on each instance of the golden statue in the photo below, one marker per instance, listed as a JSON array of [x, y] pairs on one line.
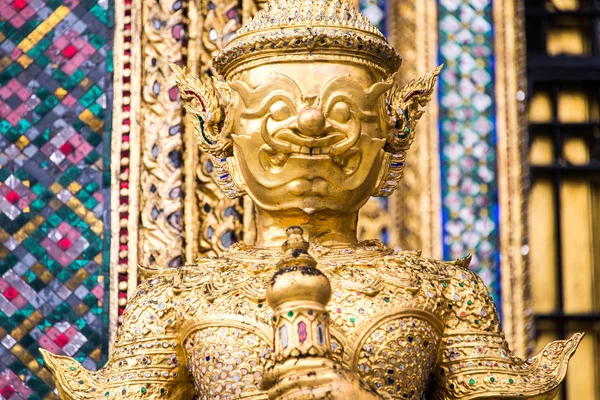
[[309, 123]]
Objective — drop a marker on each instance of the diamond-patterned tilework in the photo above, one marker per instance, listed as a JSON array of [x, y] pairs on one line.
[[468, 137], [55, 90]]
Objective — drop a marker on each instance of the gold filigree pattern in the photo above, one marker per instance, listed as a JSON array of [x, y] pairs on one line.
[[415, 206], [390, 315], [396, 357], [225, 363], [161, 177], [220, 217]]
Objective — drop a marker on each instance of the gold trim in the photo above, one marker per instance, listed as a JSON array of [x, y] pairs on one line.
[[161, 206], [416, 206], [115, 154], [509, 53], [201, 188], [233, 321], [191, 153], [119, 164]]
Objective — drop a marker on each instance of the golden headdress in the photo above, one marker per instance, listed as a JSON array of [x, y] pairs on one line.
[[287, 30]]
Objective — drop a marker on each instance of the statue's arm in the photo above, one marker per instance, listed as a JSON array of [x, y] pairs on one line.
[[147, 360], [475, 361]]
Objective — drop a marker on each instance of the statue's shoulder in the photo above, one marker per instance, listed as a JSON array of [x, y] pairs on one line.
[[413, 261]]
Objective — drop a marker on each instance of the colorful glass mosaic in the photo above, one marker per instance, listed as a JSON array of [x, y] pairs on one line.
[[468, 137], [55, 95]]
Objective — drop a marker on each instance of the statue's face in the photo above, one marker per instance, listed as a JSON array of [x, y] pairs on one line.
[[308, 136]]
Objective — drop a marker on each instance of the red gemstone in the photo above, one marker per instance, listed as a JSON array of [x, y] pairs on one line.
[[173, 93], [302, 332], [66, 148], [61, 341], [69, 51], [19, 4], [7, 392], [10, 293], [64, 243], [12, 197]]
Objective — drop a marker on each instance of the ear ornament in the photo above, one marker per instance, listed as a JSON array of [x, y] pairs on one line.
[[203, 103], [404, 107]]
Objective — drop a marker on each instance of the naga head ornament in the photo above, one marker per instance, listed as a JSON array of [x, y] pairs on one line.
[[307, 114]]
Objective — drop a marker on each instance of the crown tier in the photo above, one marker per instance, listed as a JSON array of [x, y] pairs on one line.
[[300, 30]]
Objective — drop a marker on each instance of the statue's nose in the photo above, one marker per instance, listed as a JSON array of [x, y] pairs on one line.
[[311, 121]]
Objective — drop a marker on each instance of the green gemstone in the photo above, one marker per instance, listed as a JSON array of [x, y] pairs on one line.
[[472, 381], [476, 322], [72, 368], [511, 381], [492, 379], [352, 319], [461, 284], [81, 382], [290, 313], [444, 284], [206, 139], [469, 302], [259, 305], [452, 386], [143, 390], [106, 393], [162, 391]]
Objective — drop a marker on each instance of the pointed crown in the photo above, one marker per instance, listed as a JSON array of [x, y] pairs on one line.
[[301, 30]]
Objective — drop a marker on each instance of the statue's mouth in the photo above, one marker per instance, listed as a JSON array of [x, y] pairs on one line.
[[274, 161], [331, 140]]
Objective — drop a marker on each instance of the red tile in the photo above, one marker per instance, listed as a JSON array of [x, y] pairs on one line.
[[12, 197], [10, 293], [69, 51], [64, 244], [19, 4], [7, 392], [61, 340], [66, 148]]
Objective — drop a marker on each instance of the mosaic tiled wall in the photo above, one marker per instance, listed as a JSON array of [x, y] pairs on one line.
[[55, 79], [468, 136]]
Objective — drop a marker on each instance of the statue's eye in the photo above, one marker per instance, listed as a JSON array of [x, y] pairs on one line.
[[340, 112], [280, 111]]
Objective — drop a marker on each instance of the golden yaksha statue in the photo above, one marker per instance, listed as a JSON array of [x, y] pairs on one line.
[[309, 123]]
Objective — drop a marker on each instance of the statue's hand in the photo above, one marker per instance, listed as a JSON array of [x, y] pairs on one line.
[[313, 378]]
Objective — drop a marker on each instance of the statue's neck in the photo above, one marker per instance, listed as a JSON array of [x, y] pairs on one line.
[[326, 228]]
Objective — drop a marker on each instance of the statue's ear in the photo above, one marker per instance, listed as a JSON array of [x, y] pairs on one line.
[[404, 107], [379, 88], [242, 89]]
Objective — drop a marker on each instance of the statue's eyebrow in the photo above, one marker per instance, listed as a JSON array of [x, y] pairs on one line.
[[275, 82]]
